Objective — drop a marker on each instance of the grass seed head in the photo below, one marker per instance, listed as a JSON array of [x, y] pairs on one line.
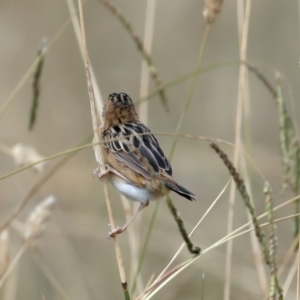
[[211, 10], [25, 155], [36, 222]]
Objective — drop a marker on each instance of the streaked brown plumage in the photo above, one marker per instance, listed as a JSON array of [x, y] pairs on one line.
[[136, 165]]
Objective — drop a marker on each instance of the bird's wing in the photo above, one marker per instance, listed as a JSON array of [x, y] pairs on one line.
[[137, 145]]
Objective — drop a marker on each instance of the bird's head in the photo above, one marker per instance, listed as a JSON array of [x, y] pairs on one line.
[[119, 109]]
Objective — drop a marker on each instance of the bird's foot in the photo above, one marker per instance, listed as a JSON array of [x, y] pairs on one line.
[[99, 174], [116, 231]]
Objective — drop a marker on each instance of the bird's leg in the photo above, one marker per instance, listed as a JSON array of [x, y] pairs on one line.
[[119, 230], [108, 169]]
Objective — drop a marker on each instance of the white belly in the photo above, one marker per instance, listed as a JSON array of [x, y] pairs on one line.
[[130, 191]]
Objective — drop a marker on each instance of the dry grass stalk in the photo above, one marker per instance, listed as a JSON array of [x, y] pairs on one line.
[[26, 155], [156, 285], [4, 252], [91, 83], [211, 10], [36, 222], [243, 95]]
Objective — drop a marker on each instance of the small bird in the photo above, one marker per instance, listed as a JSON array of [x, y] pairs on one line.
[[135, 164]]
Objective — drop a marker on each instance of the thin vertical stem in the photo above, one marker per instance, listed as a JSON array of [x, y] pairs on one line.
[[98, 151], [238, 142]]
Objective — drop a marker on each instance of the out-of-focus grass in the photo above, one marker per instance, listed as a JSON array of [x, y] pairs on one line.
[[75, 249]]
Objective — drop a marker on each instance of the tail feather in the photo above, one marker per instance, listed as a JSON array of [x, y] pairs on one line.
[[175, 187]]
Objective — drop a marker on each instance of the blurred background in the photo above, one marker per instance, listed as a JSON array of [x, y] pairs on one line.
[[74, 247]]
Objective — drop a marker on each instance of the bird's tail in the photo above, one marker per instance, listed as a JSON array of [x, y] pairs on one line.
[[175, 187]]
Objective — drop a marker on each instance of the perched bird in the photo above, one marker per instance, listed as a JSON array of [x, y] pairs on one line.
[[135, 164]]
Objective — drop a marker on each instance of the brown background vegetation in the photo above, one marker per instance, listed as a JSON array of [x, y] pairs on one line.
[[75, 245]]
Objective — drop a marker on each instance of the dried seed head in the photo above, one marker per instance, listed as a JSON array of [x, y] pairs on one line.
[[25, 155], [211, 10], [4, 252], [36, 222]]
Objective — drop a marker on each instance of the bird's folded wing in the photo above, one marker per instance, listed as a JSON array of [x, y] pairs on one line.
[[137, 150]]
